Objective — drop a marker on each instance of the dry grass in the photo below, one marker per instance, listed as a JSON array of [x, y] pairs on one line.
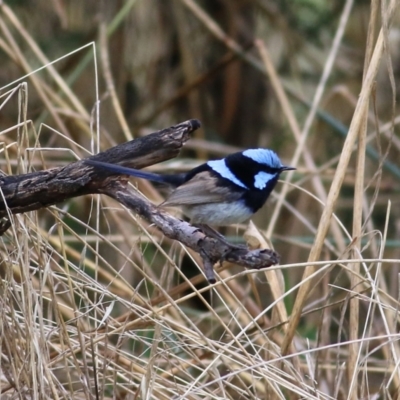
[[96, 304]]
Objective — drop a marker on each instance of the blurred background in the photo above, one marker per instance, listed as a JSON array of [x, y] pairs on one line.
[[157, 63]]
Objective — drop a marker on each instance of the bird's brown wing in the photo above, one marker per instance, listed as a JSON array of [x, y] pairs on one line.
[[201, 189]]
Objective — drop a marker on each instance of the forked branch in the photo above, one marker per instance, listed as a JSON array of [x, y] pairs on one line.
[[28, 192]]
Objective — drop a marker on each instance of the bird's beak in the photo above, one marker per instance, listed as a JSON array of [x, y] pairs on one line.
[[285, 168]]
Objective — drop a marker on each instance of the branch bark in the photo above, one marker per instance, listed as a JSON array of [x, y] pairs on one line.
[[28, 192]]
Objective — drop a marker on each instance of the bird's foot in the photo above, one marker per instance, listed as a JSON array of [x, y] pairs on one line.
[[206, 229]]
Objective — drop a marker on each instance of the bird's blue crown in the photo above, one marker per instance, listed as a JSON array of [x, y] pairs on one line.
[[264, 156]]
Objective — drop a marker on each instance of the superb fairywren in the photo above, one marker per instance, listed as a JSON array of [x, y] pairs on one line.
[[219, 192]]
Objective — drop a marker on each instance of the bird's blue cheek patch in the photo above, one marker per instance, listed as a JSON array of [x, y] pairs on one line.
[[220, 167], [262, 178]]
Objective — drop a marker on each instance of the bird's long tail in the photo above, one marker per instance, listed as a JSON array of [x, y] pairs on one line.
[[171, 179]]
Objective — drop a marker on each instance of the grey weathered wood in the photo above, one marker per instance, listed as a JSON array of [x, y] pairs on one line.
[[210, 249], [32, 191]]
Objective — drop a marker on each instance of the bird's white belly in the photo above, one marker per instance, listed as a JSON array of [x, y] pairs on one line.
[[218, 214]]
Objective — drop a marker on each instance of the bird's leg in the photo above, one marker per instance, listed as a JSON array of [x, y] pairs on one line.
[[216, 235]]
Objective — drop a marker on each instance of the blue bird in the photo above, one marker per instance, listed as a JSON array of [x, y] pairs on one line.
[[219, 192]]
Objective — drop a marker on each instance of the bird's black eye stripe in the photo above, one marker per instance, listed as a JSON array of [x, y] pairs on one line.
[[245, 168]]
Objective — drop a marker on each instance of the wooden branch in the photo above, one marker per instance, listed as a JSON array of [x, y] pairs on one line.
[[211, 250], [27, 192]]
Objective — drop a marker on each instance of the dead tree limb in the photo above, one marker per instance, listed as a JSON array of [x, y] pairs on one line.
[[211, 250], [28, 192]]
